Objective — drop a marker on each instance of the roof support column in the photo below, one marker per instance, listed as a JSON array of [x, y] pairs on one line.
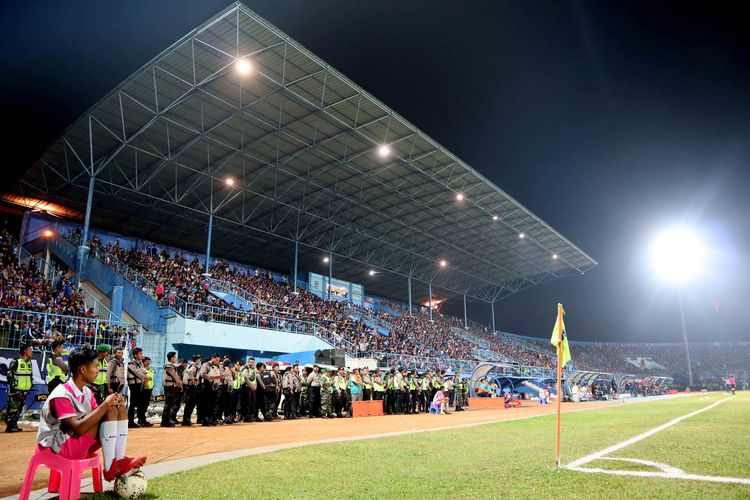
[[492, 304], [330, 272], [408, 282], [208, 244], [83, 245], [296, 260], [466, 321], [430, 300]]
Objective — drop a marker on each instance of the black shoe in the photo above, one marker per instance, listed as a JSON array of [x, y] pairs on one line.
[[168, 424], [247, 420], [206, 424], [13, 429], [187, 424], [145, 424], [133, 425]]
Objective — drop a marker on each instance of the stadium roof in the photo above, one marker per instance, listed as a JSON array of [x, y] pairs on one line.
[[301, 143]]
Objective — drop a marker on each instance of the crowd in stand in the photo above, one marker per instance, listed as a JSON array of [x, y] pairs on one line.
[[34, 312]]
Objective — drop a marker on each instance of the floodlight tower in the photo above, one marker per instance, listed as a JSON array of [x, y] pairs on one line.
[[678, 257]]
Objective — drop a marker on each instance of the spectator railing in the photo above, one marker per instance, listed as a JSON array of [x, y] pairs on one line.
[[395, 360], [238, 291], [19, 326]]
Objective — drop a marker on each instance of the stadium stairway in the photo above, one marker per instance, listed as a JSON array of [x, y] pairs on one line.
[[138, 304]]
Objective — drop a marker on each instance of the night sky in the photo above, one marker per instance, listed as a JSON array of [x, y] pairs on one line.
[[609, 120]]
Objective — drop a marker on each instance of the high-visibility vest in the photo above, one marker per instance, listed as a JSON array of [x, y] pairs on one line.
[[367, 382], [377, 387], [101, 377], [342, 380], [150, 383], [237, 381], [54, 371], [412, 384], [22, 379], [436, 382]]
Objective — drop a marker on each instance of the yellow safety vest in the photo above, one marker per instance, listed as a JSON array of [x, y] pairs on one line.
[[101, 377], [342, 382], [22, 379], [150, 383], [54, 371], [377, 387], [237, 381]]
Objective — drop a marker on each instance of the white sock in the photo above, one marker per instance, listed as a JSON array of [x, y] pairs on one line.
[[108, 437], [122, 439]]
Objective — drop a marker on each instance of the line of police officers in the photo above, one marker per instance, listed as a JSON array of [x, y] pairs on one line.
[[223, 392]]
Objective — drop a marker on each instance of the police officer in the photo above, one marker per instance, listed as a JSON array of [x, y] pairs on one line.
[[399, 387], [313, 391], [209, 377], [292, 386], [172, 390], [276, 372], [249, 396], [340, 385], [148, 389], [414, 389], [136, 377], [268, 382], [100, 383], [19, 384], [390, 395], [191, 388], [326, 393], [303, 395], [57, 369], [366, 384], [378, 386]]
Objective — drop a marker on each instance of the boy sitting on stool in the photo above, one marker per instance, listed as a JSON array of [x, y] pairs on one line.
[[73, 425]]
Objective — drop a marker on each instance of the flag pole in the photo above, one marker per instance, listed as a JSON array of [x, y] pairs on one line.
[[559, 381]]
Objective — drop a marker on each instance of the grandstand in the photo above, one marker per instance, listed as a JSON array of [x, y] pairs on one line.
[[279, 167]]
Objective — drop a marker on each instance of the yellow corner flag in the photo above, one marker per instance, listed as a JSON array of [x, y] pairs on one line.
[[559, 333]]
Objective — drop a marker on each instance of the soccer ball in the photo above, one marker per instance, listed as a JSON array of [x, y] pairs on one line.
[[131, 485]]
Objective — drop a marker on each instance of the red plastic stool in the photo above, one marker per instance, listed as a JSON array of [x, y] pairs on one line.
[[65, 474]]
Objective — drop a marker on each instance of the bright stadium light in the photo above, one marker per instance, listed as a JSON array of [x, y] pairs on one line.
[[243, 67], [522, 235], [372, 273], [384, 151], [325, 259], [443, 263], [48, 233], [555, 256], [460, 196], [229, 181], [677, 255], [495, 218]]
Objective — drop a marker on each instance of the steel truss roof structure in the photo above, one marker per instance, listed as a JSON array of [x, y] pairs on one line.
[[301, 142]]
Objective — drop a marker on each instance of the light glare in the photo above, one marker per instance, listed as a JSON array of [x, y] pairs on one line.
[[325, 259], [243, 67], [677, 255], [443, 263], [372, 273], [522, 235], [495, 217], [384, 150], [230, 181], [460, 196]]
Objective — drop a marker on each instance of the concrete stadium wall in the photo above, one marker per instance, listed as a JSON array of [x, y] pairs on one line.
[[181, 331]]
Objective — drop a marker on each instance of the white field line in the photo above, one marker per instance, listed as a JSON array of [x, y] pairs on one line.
[[669, 472], [640, 437]]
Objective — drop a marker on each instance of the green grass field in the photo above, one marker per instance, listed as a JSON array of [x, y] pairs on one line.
[[512, 459]]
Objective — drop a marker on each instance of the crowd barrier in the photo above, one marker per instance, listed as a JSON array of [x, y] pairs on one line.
[[372, 408]]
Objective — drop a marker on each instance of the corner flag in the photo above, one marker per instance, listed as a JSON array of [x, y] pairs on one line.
[[559, 333]]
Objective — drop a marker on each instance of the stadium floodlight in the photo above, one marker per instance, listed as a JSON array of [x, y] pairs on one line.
[[677, 255], [522, 235], [48, 233], [229, 181], [384, 150], [443, 263], [495, 218], [325, 259], [555, 256], [372, 273], [243, 67], [460, 196]]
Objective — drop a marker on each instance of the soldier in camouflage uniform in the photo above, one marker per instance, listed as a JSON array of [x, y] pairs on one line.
[[19, 385], [326, 394], [458, 388]]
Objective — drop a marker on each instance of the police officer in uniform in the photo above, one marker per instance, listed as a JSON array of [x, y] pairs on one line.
[[268, 381], [292, 386], [209, 377], [116, 373], [276, 372], [249, 406], [414, 387], [191, 388], [172, 390], [57, 369], [136, 379], [19, 385], [148, 389], [378, 386], [340, 383], [99, 387], [366, 384]]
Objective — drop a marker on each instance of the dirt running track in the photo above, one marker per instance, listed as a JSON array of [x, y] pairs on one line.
[[181, 442]]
